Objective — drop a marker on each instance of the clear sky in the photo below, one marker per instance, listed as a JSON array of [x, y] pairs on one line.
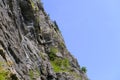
[[91, 30]]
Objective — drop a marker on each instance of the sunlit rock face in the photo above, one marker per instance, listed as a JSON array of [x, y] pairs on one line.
[[31, 45]]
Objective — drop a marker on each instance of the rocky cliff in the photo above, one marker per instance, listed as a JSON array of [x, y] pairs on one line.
[[31, 45]]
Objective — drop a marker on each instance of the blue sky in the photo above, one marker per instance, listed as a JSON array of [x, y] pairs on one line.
[[91, 30]]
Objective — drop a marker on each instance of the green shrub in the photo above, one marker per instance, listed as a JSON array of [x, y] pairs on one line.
[[84, 69], [52, 54], [60, 65], [53, 50], [65, 62], [56, 68]]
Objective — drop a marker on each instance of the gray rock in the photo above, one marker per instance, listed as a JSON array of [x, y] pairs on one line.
[[26, 31]]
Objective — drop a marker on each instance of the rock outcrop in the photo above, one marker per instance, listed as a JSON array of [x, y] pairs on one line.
[[31, 45]]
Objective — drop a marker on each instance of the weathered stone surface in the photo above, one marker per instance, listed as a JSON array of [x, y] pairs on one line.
[[31, 45]]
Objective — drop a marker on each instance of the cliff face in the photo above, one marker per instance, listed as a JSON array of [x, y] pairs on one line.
[[31, 45]]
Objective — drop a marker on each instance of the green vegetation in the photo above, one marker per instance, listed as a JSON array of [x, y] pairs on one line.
[[34, 7], [31, 74], [63, 65], [4, 74], [52, 54], [53, 50], [32, 4], [84, 69], [60, 65], [34, 73], [37, 72], [62, 44]]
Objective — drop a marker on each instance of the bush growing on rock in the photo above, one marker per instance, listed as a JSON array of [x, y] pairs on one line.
[[84, 69], [52, 54], [60, 65]]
